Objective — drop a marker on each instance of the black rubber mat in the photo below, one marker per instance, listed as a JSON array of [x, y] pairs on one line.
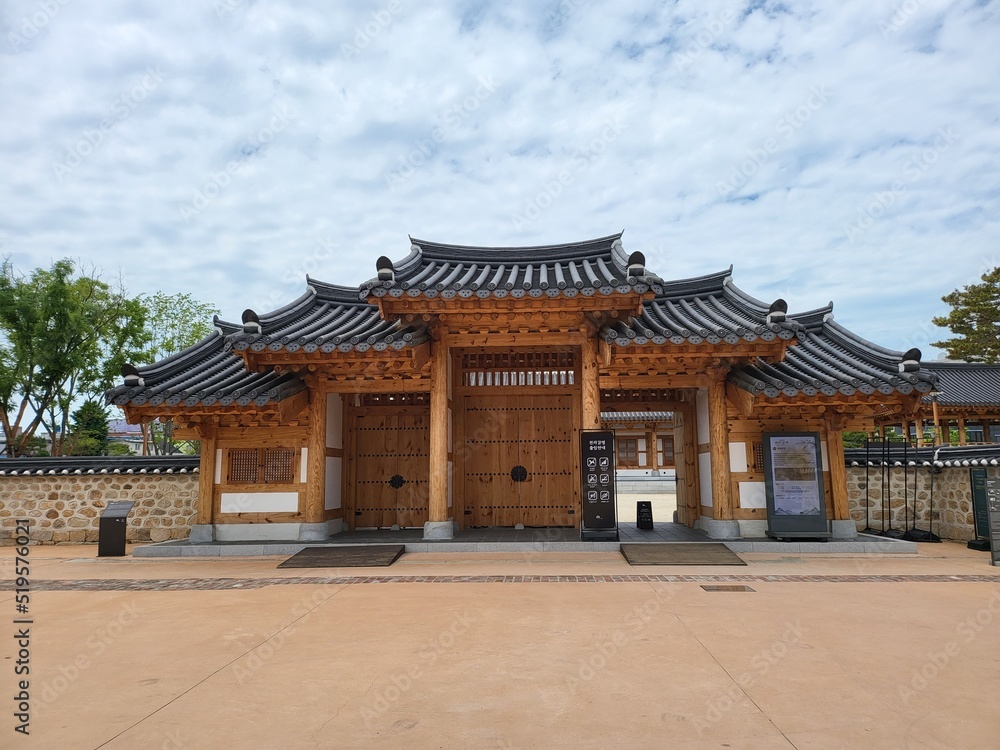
[[345, 556], [680, 553]]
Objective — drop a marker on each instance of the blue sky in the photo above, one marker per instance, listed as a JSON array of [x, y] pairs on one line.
[[842, 151]]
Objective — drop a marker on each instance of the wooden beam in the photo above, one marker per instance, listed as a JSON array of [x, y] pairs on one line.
[[292, 407], [604, 352], [421, 354], [316, 462], [437, 509], [590, 386], [547, 339], [742, 400], [718, 427], [386, 385], [838, 473], [638, 382], [206, 474]]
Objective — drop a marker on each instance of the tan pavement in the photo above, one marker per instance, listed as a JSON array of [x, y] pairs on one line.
[[893, 662]]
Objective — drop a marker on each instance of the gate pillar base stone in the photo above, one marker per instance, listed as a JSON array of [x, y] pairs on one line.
[[717, 529], [202, 533], [439, 530], [844, 529], [314, 532]]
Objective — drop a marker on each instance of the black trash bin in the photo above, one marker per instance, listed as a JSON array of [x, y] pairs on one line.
[[644, 515], [112, 528]]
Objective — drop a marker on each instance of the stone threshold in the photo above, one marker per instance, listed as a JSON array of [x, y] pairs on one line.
[[863, 544]]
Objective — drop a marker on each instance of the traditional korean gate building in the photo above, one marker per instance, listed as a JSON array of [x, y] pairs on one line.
[[449, 391]]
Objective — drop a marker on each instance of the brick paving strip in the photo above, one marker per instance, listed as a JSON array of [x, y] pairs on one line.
[[223, 584]]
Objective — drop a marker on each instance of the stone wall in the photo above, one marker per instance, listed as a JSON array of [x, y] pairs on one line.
[[65, 508], [953, 516]]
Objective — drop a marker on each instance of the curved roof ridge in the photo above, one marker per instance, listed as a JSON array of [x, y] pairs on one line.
[[710, 282], [526, 253], [813, 319], [215, 338], [853, 341], [339, 293]]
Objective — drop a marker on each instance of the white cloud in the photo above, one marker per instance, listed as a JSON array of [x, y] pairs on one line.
[[702, 92]]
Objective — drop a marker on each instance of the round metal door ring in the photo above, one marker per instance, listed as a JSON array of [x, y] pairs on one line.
[[519, 473]]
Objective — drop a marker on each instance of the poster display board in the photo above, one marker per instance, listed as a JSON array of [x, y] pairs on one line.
[[793, 477], [993, 505], [597, 493]]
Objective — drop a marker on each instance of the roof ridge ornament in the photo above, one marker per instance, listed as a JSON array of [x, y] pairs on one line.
[[636, 262], [251, 321], [777, 312], [910, 361], [131, 375], [386, 272]]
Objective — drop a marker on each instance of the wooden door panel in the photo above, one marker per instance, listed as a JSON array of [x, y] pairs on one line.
[[546, 449], [490, 446], [387, 446], [412, 463]]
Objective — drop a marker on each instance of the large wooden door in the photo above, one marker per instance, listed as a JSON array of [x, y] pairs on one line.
[[518, 460], [390, 468]]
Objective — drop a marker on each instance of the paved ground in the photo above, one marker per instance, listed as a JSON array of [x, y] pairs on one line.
[[549, 650]]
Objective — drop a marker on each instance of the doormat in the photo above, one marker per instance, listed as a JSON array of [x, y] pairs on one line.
[[370, 556], [680, 553]]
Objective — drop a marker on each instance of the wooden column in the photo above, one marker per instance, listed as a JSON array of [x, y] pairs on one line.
[[206, 475], [961, 431], [838, 473], [905, 426], [316, 462], [937, 421], [437, 505], [920, 431], [589, 384], [718, 427], [651, 440]]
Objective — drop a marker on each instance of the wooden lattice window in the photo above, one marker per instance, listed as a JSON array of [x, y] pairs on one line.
[[262, 465], [514, 369], [666, 449], [628, 452]]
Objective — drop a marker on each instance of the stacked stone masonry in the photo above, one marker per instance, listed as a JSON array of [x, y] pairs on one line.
[[68, 508], [952, 513]]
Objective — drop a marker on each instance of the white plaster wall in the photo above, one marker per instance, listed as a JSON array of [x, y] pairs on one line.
[[304, 464], [334, 421], [753, 495], [705, 478], [738, 458], [218, 466], [260, 502], [824, 455], [701, 412], [334, 473]]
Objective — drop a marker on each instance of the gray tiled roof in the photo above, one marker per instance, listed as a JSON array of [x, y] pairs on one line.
[[707, 309], [176, 464], [947, 455], [637, 416], [592, 267], [204, 375], [828, 359], [327, 318], [966, 383]]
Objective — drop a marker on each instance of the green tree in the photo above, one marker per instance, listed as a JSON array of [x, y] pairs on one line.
[[975, 321], [173, 323], [89, 430], [61, 336]]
